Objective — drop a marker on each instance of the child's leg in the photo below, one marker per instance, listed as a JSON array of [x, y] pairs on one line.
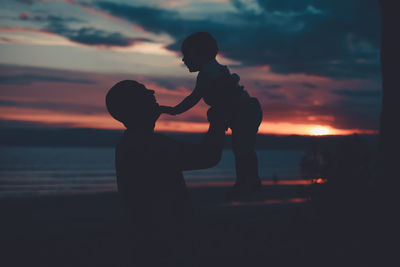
[[244, 132]]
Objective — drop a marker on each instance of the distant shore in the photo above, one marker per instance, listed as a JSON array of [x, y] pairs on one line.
[[13, 136]]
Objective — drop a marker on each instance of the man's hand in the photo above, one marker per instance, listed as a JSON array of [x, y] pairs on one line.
[[167, 110]]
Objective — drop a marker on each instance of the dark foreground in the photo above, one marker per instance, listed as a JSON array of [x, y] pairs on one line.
[[90, 230]]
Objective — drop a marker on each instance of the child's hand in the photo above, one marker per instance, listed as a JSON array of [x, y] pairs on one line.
[[167, 110]]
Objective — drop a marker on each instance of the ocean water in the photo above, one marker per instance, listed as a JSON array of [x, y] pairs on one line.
[[33, 171]]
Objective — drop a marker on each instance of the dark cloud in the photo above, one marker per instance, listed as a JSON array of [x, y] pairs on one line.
[[17, 74], [25, 125], [173, 83], [302, 95], [23, 16], [29, 78], [267, 86], [160, 21], [287, 5], [359, 94], [28, 2], [83, 35], [4, 39], [51, 19], [153, 19], [18, 124], [274, 96], [55, 106], [346, 114], [351, 115], [92, 36], [166, 83], [309, 85], [339, 39]]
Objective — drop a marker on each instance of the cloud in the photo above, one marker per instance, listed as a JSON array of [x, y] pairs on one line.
[[51, 19], [23, 16], [274, 96], [29, 78], [19, 124], [158, 20], [83, 35], [80, 93], [298, 36], [5, 40], [359, 94], [92, 36], [352, 115], [309, 85], [341, 114], [54, 106], [28, 2], [268, 86], [173, 84]]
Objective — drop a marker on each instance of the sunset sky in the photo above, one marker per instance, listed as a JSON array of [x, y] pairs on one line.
[[313, 64]]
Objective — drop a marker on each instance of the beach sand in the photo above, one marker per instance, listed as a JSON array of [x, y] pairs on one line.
[[278, 228]]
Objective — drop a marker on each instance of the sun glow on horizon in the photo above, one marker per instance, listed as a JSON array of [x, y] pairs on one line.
[[49, 118], [320, 130]]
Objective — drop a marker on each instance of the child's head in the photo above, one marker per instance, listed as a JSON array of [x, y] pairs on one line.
[[198, 48], [132, 104]]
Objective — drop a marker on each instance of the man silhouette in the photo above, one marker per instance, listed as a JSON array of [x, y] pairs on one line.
[[149, 172]]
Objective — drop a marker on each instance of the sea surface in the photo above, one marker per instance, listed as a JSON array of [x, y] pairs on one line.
[[35, 171]]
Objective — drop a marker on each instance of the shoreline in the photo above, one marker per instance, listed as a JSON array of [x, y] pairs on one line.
[[7, 195]]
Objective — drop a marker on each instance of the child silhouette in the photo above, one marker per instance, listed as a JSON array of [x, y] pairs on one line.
[[221, 90]]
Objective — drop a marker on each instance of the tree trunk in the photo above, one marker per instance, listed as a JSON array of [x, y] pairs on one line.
[[389, 179], [384, 217]]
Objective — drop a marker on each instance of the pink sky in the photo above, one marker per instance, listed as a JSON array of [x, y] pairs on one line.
[[58, 59]]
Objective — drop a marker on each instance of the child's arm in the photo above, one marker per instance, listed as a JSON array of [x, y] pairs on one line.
[[207, 153], [185, 105]]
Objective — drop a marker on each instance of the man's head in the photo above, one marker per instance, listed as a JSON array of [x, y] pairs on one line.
[[198, 48], [133, 104]]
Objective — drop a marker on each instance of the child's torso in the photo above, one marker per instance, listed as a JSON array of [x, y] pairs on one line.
[[217, 86]]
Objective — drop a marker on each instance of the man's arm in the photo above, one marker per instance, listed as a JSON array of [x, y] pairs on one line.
[[208, 152], [185, 105]]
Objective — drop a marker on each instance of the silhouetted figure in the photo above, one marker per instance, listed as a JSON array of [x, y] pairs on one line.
[[149, 173], [220, 89], [312, 165]]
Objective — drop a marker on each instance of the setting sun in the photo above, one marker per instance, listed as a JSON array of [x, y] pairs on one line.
[[320, 131]]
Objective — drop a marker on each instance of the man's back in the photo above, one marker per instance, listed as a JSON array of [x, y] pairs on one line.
[[155, 196]]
